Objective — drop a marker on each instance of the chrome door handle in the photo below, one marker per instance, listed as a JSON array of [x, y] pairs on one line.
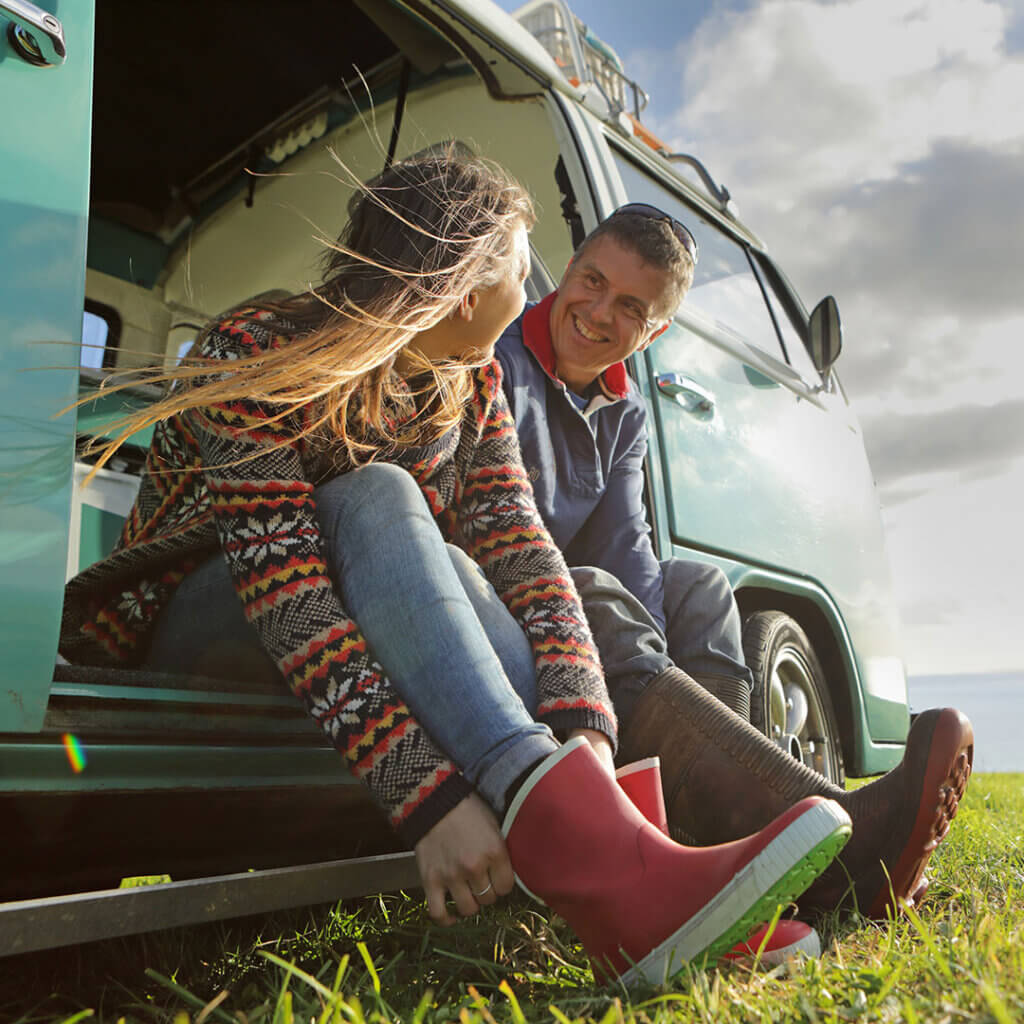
[[36, 35], [686, 392]]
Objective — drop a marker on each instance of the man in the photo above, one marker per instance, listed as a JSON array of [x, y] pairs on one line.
[[582, 430], [583, 436]]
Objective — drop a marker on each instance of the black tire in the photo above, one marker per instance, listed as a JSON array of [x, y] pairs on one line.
[[790, 700]]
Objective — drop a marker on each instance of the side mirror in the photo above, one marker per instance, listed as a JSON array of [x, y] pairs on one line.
[[825, 334]]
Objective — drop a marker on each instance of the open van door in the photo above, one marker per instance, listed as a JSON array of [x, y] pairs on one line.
[[44, 196]]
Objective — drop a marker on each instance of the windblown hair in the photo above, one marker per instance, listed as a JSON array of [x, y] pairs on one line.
[[420, 235], [653, 241]]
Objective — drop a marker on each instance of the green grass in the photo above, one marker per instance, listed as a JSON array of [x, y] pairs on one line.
[[960, 959]]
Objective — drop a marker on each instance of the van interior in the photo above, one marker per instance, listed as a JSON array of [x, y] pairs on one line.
[[225, 148]]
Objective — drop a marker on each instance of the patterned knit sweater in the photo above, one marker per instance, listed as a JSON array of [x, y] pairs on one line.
[[196, 496]]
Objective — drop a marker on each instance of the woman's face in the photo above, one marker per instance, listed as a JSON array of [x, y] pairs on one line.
[[472, 331], [499, 304]]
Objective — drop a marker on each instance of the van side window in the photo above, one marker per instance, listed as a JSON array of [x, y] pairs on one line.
[[101, 335], [791, 320], [539, 283], [725, 290]]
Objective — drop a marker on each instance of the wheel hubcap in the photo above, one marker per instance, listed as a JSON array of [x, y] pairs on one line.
[[797, 720]]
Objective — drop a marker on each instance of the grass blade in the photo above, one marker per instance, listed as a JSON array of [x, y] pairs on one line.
[[517, 1011], [368, 960], [313, 983], [188, 997]]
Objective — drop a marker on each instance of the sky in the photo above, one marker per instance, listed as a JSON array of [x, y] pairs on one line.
[[877, 147]]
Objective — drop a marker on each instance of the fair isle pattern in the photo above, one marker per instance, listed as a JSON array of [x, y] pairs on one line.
[[198, 497]]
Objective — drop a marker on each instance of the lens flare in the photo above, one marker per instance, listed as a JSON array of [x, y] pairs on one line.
[[75, 752]]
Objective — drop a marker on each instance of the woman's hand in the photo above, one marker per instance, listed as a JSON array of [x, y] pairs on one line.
[[464, 854], [602, 747]]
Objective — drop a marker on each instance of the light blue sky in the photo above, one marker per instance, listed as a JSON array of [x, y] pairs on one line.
[[877, 146]]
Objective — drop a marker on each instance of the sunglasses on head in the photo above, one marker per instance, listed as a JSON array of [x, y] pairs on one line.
[[688, 242]]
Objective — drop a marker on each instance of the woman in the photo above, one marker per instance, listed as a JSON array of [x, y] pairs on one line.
[[307, 469]]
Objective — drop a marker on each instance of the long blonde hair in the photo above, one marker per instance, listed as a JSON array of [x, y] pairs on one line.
[[420, 236]]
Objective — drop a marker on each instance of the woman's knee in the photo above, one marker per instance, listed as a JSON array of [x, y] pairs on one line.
[[367, 502], [466, 569], [378, 482]]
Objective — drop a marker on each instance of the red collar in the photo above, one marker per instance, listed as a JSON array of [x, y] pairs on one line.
[[537, 338]]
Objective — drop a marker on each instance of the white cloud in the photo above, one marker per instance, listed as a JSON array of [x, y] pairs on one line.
[[895, 363], [973, 440], [823, 94], [957, 573]]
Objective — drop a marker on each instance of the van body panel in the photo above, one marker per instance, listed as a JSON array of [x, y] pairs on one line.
[[123, 767], [44, 193], [775, 480]]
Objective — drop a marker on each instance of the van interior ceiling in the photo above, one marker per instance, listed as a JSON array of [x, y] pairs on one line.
[[224, 78], [211, 174]]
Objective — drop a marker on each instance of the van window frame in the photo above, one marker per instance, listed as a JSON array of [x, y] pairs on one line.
[[112, 346], [780, 370]]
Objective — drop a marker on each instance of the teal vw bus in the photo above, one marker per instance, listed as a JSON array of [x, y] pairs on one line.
[[162, 163]]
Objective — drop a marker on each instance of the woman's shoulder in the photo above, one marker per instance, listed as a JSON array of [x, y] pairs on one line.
[[242, 332], [487, 380], [487, 409]]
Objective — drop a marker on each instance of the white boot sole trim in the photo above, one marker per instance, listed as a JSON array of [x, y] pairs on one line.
[[777, 875], [809, 945]]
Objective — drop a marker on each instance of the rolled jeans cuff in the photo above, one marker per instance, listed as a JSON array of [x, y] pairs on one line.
[[494, 781]]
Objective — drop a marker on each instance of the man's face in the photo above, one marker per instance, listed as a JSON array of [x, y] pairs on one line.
[[610, 304]]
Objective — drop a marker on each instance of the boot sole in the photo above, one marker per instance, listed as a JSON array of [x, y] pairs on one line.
[[945, 776], [776, 876]]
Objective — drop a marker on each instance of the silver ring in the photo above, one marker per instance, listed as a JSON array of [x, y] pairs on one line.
[[482, 892]]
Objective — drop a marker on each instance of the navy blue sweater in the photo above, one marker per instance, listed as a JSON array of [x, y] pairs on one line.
[[586, 466]]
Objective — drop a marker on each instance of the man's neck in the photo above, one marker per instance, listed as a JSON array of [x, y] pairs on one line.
[[577, 385]]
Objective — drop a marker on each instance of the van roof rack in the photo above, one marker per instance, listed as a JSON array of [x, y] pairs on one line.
[[585, 59], [581, 56]]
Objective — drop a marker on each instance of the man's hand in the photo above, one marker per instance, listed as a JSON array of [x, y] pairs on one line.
[[464, 854], [602, 747]]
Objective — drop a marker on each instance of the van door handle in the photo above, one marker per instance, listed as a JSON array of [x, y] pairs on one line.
[[686, 392], [36, 35]]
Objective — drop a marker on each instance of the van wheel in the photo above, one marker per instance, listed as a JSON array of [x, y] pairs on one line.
[[790, 703]]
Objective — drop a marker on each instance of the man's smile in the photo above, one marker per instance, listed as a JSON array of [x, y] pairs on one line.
[[588, 334]]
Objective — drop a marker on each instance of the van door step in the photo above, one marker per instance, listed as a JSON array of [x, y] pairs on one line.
[[29, 925]]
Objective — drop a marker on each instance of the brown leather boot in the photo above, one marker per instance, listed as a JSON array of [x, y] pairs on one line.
[[733, 693], [723, 779]]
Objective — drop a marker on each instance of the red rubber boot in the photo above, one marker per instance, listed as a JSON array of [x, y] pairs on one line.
[[641, 904], [641, 782]]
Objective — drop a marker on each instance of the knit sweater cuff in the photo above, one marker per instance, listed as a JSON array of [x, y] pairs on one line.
[[451, 792], [565, 719]]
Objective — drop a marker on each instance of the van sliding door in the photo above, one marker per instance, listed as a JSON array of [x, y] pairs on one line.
[[44, 192]]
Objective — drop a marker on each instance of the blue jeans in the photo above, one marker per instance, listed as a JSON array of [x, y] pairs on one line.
[[702, 631], [452, 651]]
